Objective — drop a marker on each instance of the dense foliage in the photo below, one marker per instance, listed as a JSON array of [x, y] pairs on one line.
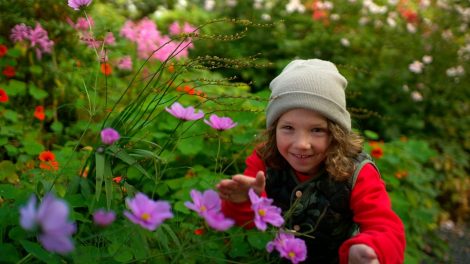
[[67, 74]]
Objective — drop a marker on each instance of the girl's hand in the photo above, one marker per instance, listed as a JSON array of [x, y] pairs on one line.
[[362, 254], [236, 189]]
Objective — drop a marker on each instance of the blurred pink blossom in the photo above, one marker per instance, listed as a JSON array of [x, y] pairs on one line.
[[77, 4], [51, 219], [103, 218], [416, 67], [289, 247], [125, 63], [189, 113]]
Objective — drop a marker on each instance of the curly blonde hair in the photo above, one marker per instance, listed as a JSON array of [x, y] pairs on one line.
[[339, 163]]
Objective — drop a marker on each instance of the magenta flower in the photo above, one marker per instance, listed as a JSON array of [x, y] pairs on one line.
[[220, 123], [178, 111], [51, 219], [288, 247], [125, 63], [77, 4], [147, 213], [264, 211], [20, 32], [103, 218], [208, 205], [109, 136]]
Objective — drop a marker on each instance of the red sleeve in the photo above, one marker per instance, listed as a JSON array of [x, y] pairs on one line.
[[380, 228], [241, 212]]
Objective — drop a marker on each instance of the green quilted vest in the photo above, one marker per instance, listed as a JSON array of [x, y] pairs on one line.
[[318, 208]]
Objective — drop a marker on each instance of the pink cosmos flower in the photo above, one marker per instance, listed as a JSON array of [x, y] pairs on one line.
[[220, 123], [208, 205], [289, 247], [51, 218], [77, 4], [264, 211], [147, 213], [103, 218], [109, 136], [189, 113]]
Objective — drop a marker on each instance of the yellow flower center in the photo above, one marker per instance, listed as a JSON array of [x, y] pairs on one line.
[[262, 212], [145, 216], [202, 208], [291, 254]]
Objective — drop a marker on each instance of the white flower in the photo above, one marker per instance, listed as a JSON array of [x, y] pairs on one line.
[[416, 96], [427, 59], [345, 42], [416, 67]]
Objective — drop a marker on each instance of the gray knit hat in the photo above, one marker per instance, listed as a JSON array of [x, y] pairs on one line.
[[312, 84]]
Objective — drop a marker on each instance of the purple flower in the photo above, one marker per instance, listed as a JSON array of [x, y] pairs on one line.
[[147, 213], [103, 218], [178, 111], [77, 4], [220, 123], [109, 136], [288, 247], [52, 219], [208, 205], [19, 32], [264, 211]]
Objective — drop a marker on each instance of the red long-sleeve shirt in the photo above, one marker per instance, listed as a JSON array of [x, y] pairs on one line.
[[380, 228]]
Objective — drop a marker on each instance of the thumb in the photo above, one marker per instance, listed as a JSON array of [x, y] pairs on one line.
[[260, 182]]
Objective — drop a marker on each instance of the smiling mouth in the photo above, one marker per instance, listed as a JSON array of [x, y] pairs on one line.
[[300, 156]]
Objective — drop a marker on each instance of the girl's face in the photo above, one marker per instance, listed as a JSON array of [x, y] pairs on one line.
[[302, 138]]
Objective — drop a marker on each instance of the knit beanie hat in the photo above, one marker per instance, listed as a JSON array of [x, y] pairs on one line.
[[311, 84]]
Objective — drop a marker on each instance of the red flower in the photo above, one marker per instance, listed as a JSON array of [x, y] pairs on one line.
[[9, 71], [117, 179], [199, 231], [377, 152], [401, 174], [46, 156], [3, 50], [3, 96], [106, 69], [48, 161], [39, 112]]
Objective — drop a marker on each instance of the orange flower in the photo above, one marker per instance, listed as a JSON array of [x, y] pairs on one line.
[[3, 50], [46, 156], [401, 174], [48, 161], [3, 96], [50, 165], [9, 71], [117, 179], [171, 68], [106, 69], [39, 112], [377, 152]]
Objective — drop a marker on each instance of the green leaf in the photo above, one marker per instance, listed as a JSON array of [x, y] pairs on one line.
[[108, 183], [32, 147], [371, 135], [57, 126], [15, 87], [125, 157], [190, 146], [36, 69], [9, 253], [11, 115], [100, 160], [36, 250], [259, 239], [37, 93], [8, 171]]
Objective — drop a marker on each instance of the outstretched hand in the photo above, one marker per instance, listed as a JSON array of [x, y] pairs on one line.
[[362, 254], [236, 188]]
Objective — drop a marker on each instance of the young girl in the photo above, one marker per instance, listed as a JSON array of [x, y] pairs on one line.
[[313, 167]]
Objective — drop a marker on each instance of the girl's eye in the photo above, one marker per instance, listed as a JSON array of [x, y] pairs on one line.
[[319, 130], [287, 127]]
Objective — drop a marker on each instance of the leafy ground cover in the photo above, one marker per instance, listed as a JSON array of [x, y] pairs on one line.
[[104, 104]]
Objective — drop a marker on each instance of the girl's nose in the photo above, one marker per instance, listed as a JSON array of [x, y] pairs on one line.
[[302, 142]]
